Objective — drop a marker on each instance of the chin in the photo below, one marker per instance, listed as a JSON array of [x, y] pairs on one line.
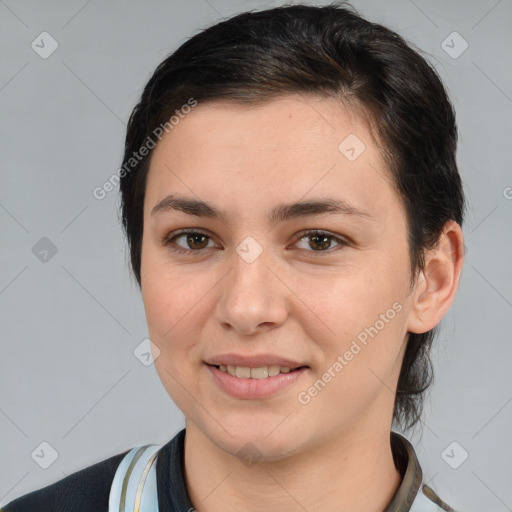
[[255, 440]]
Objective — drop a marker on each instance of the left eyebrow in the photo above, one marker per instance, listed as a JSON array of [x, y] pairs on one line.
[[316, 207], [280, 213]]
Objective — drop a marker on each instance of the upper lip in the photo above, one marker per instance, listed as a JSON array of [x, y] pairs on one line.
[[256, 361]]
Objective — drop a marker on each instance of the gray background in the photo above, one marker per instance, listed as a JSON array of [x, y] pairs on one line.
[[70, 324]]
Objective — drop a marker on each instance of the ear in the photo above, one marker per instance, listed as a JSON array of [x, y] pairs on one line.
[[437, 283]]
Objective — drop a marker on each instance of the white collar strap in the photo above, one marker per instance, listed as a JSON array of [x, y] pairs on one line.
[[134, 488]]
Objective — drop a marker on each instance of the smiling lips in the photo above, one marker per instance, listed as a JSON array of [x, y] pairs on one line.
[[255, 376]]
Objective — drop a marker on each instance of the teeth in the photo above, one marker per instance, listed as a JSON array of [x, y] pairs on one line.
[[245, 372]]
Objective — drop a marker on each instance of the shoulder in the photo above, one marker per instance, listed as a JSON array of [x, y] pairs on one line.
[[86, 490]]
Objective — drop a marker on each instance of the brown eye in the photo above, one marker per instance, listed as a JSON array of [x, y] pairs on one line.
[[196, 240], [320, 241], [193, 242]]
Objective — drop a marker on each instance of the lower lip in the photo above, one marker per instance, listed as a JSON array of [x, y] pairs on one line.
[[247, 389]]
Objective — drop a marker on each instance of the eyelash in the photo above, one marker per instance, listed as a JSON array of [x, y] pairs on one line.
[[169, 240]]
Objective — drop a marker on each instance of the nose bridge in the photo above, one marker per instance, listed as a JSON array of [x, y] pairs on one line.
[[251, 293], [250, 275]]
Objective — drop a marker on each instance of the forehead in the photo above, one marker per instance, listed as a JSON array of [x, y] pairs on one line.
[[287, 123], [292, 146]]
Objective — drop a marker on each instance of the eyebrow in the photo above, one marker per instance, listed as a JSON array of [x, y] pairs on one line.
[[280, 213]]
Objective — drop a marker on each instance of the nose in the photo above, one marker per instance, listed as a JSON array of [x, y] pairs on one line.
[[252, 298]]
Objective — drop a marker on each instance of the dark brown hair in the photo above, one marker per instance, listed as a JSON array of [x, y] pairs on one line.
[[332, 52]]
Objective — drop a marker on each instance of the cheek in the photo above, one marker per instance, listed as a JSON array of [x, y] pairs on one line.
[[360, 319], [171, 295], [176, 307], [344, 305], [172, 314], [359, 351]]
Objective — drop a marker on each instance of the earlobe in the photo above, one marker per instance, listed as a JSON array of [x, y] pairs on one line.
[[437, 283]]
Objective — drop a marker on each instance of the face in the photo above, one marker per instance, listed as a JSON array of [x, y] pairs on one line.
[[251, 281]]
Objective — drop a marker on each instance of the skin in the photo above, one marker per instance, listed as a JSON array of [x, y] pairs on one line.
[[333, 453]]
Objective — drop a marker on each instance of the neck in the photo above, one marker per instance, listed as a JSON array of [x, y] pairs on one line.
[[352, 472]]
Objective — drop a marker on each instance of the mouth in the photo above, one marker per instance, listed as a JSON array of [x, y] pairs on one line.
[[255, 382], [260, 372]]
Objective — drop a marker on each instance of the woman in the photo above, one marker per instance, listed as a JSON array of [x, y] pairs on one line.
[[293, 209]]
